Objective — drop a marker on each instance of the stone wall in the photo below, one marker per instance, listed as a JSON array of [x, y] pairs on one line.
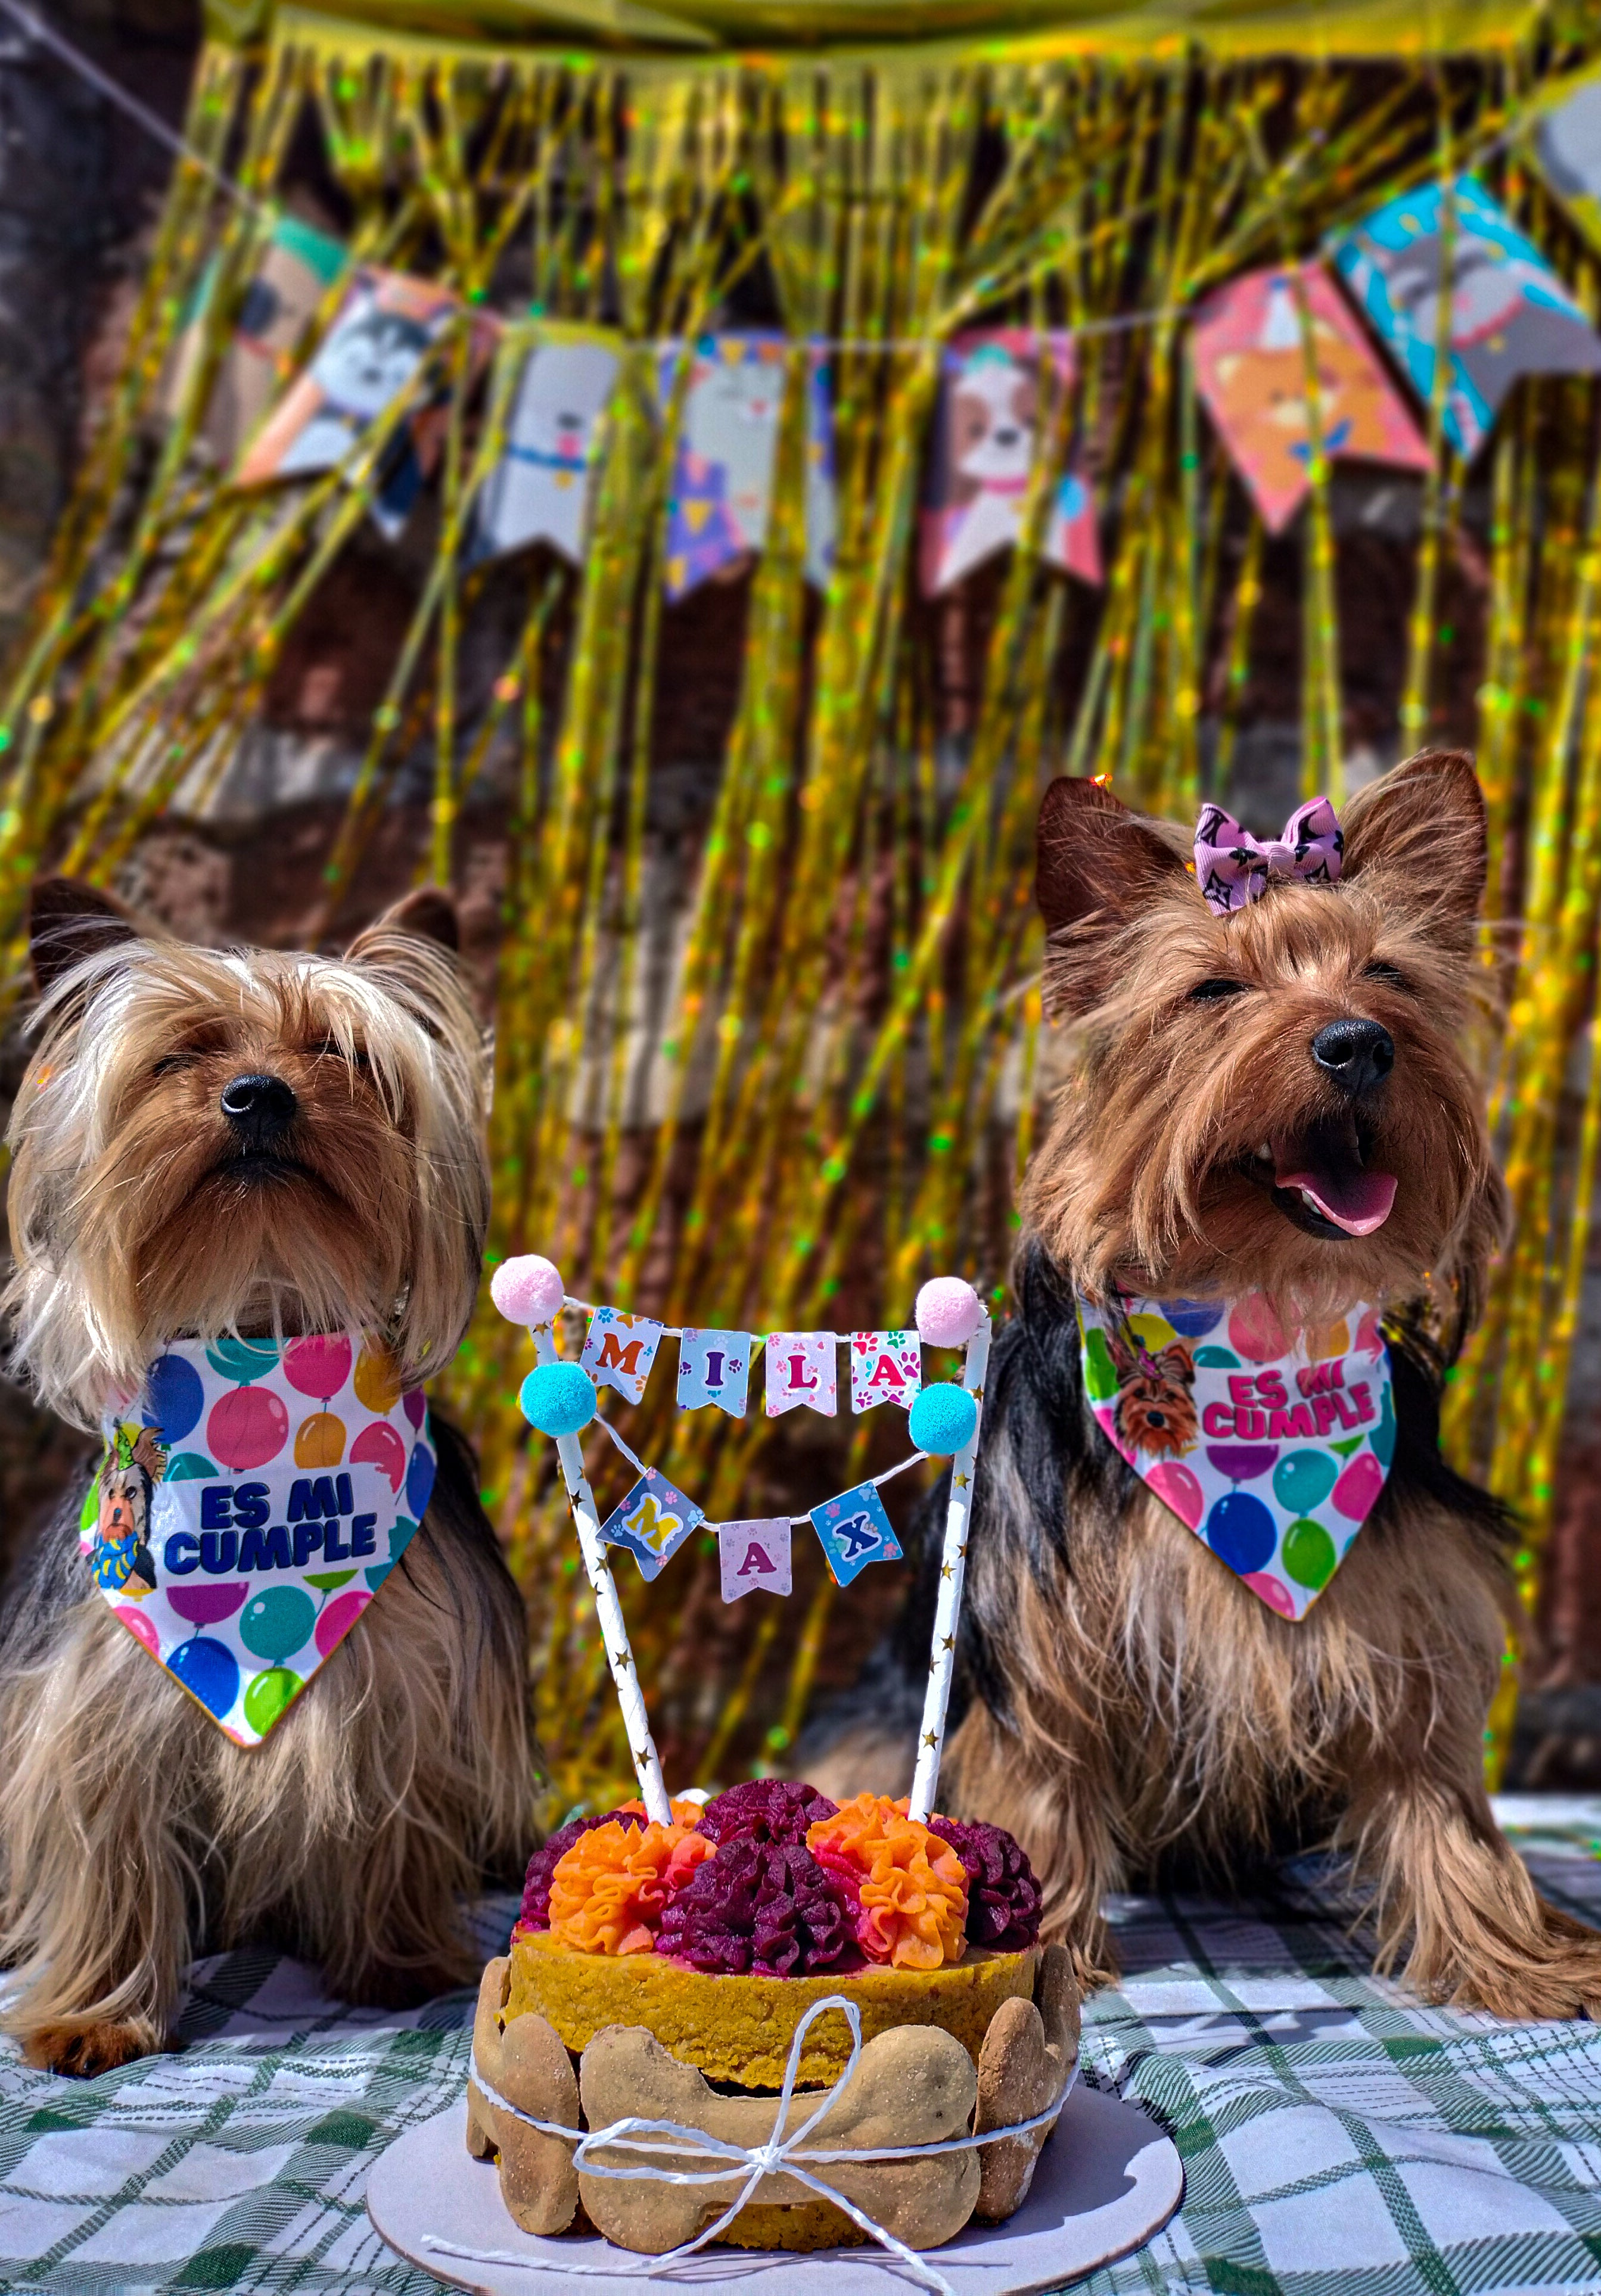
[[79, 186]]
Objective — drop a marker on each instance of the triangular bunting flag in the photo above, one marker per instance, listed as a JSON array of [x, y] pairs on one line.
[[855, 1530], [619, 1349], [652, 1522]]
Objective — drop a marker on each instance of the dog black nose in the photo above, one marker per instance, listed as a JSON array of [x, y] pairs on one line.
[[1354, 1055], [258, 1107]]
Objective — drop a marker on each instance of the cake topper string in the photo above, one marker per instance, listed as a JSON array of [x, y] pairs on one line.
[[559, 1397], [787, 2155]]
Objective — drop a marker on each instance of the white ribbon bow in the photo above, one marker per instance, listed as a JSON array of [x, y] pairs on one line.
[[660, 2139]]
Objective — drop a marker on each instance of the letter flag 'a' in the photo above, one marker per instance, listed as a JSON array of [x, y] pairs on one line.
[[885, 1367], [755, 1554]]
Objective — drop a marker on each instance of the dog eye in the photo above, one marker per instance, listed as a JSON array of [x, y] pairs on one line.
[[1391, 975], [331, 1047], [172, 1061], [1204, 991]]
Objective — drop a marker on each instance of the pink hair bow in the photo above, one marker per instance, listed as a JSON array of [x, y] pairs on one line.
[[1232, 867]]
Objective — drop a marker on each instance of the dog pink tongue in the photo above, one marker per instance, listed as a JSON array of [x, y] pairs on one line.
[[1357, 1201]]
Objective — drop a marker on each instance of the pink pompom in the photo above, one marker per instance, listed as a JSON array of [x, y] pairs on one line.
[[949, 1312], [528, 1290]]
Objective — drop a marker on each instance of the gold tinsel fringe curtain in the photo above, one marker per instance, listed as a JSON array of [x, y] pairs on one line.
[[823, 1090]]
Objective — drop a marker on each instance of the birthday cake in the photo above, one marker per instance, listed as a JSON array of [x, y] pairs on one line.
[[714, 1934]]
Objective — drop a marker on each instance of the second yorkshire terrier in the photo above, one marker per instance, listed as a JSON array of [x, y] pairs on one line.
[[213, 1149], [1270, 1109]]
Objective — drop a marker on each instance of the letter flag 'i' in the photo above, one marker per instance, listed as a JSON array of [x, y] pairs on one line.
[[714, 1367]]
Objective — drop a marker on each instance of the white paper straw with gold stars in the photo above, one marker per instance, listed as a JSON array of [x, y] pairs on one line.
[[953, 1570], [608, 1609]]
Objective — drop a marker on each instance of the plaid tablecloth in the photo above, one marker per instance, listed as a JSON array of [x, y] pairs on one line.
[[1335, 2136]]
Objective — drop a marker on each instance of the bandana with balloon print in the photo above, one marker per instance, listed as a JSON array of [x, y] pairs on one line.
[[1273, 1452], [241, 1523]]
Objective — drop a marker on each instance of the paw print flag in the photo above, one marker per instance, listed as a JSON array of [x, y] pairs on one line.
[[1250, 367], [539, 489], [755, 1554], [986, 440], [855, 1530], [619, 1349], [652, 1522], [801, 1369], [885, 1367], [1509, 313], [714, 1367], [1566, 137]]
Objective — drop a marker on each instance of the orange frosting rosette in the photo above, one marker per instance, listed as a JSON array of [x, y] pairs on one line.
[[684, 1811], [907, 1888], [607, 1892]]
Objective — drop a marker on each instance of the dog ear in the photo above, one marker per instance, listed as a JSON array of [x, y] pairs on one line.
[[1423, 826], [67, 920], [406, 941], [414, 948], [427, 914], [1095, 858]]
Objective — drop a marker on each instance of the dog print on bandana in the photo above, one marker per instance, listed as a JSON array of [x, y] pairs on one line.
[[1273, 1454], [242, 1522]]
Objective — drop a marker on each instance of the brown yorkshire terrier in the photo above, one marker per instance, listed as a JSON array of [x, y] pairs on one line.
[[1272, 1101], [246, 1143]]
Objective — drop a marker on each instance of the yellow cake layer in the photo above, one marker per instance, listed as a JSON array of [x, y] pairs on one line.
[[815, 2224], [739, 2028]]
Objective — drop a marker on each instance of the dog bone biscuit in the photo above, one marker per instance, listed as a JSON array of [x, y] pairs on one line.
[[1027, 2054], [529, 2067], [1058, 1999], [913, 2086]]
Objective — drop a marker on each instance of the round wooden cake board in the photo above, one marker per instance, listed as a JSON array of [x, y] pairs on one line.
[[1107, 2181]]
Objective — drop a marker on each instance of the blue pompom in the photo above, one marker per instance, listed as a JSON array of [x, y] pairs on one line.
[[943, 1418], [558, 1399]]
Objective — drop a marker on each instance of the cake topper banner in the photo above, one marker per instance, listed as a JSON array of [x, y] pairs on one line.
[[655, 1519], [801, 1369]]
